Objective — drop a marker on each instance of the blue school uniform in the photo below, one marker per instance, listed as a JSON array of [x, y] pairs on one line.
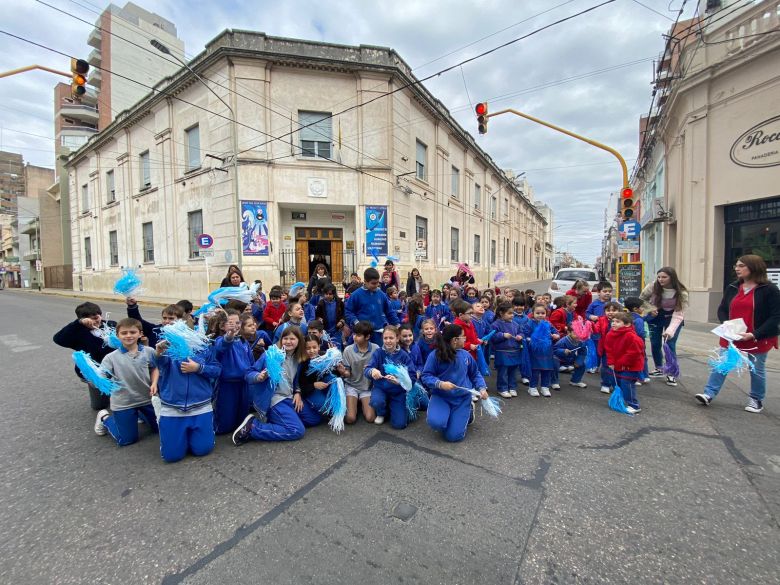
[[425, 348], [282, 326], [449, 410], [371, 306], [576, 358], [308, 312], [507, 354], [471, 300], [231, 399], [595, 309], [542, 358], [439, 313], [397, 307], [384, 394], [489, 316], [639, 327]]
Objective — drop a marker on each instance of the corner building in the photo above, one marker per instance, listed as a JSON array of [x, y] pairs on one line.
[[394, 175]]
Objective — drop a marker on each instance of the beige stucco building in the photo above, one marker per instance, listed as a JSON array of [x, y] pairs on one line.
[[711, 151], [341, 154]]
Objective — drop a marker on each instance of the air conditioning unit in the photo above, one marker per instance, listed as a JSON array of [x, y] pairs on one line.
[[660, 214]]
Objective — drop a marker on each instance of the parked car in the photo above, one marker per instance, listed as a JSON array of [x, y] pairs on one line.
[[566, 277]]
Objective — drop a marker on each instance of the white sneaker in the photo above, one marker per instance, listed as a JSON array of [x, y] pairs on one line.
[[545, 392], [637, 383], [578, 384], [606, 390], [525, 381], [379, 420], [533, 392], [555, 386], [100, 428], [592, 370], [512, 392], [563, 369], [631, 410], [570, 368], [505, 394], [754, 405]]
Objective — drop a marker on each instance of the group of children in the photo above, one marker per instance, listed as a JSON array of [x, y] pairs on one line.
[[442, 339]]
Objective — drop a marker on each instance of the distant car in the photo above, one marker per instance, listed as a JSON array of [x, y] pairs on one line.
[[566, 277]]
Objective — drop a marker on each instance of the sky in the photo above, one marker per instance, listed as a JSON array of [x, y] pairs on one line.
[[591, 74]]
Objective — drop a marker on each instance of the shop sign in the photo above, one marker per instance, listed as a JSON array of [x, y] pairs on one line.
[[628, 246], [758, 147], [376, 230], [774, 275]]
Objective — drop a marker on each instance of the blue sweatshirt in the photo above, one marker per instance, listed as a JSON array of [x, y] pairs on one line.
[[262, 395], [506, 351], [234, 356], [187, 391], [541, 359], [596, 308], [416, 357], [489, 317], [425, 348], [463, 372], [480, 326], [639, 324], [397, 306], [576, 358], [438, 312], [399, 357], [308, 312], [371, 306], [282, 326]]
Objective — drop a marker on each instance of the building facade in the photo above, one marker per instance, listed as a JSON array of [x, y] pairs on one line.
[[342, 157], [713, 150]]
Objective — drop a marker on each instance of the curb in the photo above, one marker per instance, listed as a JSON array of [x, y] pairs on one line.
[[72, 294]]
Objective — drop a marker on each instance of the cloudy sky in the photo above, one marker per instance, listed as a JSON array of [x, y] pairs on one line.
[[591, 75]]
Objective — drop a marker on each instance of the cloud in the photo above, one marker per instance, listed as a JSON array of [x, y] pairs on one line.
[[604, 106]]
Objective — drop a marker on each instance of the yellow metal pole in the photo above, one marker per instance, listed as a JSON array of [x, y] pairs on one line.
[[32, 68], [573, 135]]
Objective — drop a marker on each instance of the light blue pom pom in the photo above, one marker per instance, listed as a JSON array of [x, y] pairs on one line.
[[128, 284], [274, 360], [325, 363], [335, 405], [94, 374], [400, 373], [183, 342], [413, 399]]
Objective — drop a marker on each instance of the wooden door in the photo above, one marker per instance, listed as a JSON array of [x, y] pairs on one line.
[[337, 262], [302, 261]]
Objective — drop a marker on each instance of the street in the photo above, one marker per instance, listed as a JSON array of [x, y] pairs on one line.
[[559, 490]]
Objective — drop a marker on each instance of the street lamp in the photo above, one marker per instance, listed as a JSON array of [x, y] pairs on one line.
[[239, 247]]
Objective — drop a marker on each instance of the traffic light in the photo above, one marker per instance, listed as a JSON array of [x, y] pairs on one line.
[[482, 117], [627, 204], [78, 69]]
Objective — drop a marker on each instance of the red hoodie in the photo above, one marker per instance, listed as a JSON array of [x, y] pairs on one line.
[[558, 320], [601, 328], [471, 336], [273, 314], [583, 302], [625, 350]]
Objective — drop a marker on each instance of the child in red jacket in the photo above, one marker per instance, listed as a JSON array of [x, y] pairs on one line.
[[463, 311], [562, 316], [274, 310], [626, 356], [600, 330]]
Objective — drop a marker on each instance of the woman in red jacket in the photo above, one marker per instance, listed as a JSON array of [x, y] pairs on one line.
[[581, 291], [626, 356]]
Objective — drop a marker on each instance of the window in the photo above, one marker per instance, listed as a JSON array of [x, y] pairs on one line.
[[421, 233], [110, 190], [194, 229], [193, 147], [506, 251], [455, 182], [517, 253], [422, 157], [477, 196], [85, 197], [454, 244], [146, 171], [493, 252], [506, 207], [113, 248], [477, 249], [316, 134], [148, 237], [87, 252], [493, 204]]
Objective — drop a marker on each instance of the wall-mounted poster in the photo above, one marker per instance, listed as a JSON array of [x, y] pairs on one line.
[[254, 228], [376, 230]]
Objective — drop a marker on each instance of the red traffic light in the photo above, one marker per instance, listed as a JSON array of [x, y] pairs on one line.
[[482, 117], [627, 193], [481, 109]]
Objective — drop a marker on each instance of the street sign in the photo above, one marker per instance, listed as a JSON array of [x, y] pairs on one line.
[[38, 266], [631, 228], [421, 249], [204, 241], [206, 253], [628, 246]]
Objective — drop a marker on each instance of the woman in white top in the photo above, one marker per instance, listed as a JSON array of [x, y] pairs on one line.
[[667, 298]]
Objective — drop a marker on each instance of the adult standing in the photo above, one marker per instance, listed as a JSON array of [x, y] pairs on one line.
[[757, 302], [319, 279], [234, 276], [414, 283], [395, 280], [668, 299], [580, 290]]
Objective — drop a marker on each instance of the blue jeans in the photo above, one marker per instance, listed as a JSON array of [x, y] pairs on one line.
[[506, 378], [657, 327], [626, 382], [542, 377], [757, 379]]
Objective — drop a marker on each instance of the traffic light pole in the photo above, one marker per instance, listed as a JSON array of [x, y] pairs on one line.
[[33, 68], [612, 151]]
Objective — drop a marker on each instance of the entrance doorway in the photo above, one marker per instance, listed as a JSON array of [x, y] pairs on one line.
[[319, 246]]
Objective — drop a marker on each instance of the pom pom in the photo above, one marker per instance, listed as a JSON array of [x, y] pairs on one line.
[[487, 337], [241, 293], [128, 284], [541, 338], [393, 258], [413, 399], [335, 405], [591, 357], [94, 374], [274, 360], [482, 364], [671, 367], [731, 360], [296, 289], [617, 403], [108, 335], [582, 328], [401, 374], [499, 276], [183, 342], [325, 363], [205, 310], [490, 406]]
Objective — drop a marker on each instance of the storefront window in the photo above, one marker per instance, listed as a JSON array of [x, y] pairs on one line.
[[753, 228]]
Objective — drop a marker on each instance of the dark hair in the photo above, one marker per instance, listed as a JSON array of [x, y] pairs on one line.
[[389, 262], [405, 327], [625, 318], [632, 303], [529, 292], [518, 301], [459, 307], [354, 274], [321, 265], [603, 286], [444, 351], [488, 298], [185, 305], [87, 310], [435, 291], [678, 287], [613, 305], [288, 310], [300, 351], [244, 317], [174, 310], [414, 310], [316, 324], [364, 328], [128, 323], [236, 305], [233, 269], [504, 308], [757, 267], [329, 288], [370, 274], [311, 338], [275, 293], [214, 326]]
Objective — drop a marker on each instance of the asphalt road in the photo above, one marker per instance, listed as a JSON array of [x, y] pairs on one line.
[[558, 490]]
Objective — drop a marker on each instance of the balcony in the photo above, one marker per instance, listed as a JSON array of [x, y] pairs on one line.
[[79, 112], [31, 228], [31, 256], [751, 29], [94, 58], [95, 78], [95, 38]]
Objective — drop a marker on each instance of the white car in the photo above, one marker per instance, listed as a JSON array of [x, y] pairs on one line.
[[566, 277]]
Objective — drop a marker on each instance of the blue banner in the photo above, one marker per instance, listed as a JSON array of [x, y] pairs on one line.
[[376, 230], [254, 228]]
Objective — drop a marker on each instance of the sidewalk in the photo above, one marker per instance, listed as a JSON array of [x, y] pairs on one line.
[[94, 296]]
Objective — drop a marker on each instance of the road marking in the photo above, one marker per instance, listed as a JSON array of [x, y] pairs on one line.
[[17, 344]]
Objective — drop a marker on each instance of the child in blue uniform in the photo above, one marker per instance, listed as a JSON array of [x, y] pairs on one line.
[[437, 310], [314, 386], [596, 310], [370, 304], [330, 310], [507, 347], [541, 351], [490, 314], [415, 316], [450, 372], [293, 316], [186, 415], [571, 352], [427, 341], [634, 306], [234, 353], [395, 302], [387, 394], [151, 331], [520, 318]]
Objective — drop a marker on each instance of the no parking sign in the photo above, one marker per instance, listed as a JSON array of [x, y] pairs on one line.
[[204, 241]]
